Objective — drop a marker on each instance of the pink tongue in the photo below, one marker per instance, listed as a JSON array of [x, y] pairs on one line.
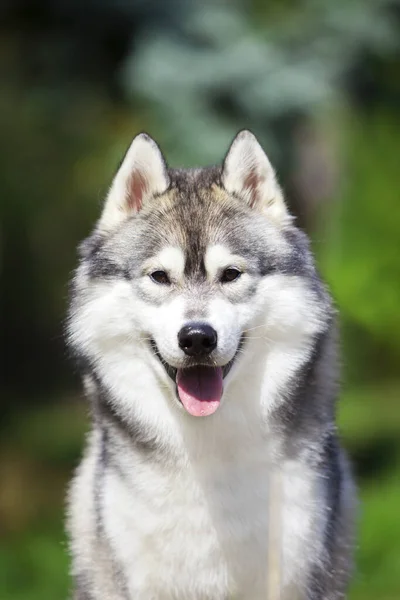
[[200, 389]]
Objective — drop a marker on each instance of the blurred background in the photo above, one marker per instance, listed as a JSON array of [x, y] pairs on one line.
[[319, 83]]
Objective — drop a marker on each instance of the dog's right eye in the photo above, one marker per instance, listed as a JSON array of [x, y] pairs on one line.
[[160, 277]]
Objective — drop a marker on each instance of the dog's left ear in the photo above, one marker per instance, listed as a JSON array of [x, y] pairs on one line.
[[248, 174]]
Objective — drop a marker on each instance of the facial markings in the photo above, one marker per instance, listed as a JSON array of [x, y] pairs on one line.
[[219, 261], [171, 259], [218, 258]]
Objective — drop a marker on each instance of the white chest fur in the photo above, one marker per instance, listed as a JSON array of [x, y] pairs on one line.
[[199, 528]]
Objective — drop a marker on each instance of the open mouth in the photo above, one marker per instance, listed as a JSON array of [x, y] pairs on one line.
[[199, 387]]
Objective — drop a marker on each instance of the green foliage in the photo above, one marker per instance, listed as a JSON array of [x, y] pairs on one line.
[[34, 566], [227, 68], [370, 424], [360, 257]]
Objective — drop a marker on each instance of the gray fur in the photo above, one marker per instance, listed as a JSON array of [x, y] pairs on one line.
[[194, 213]]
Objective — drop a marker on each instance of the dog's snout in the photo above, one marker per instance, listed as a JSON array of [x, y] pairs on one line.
[[197, 339]]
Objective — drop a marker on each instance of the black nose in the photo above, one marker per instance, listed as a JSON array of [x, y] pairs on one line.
[[197, 339]]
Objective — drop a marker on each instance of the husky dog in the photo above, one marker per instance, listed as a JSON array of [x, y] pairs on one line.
[[207, 346]]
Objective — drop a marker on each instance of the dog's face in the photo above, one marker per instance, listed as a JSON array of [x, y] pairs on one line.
[[186, 268]]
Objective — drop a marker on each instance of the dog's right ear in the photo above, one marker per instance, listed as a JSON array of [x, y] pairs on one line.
[[142, 174]]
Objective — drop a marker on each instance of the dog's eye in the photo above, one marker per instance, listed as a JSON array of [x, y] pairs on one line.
[[160, 277], [230, 274]]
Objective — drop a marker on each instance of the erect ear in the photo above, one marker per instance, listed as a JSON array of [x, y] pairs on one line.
[[248, 174], [142, 174]]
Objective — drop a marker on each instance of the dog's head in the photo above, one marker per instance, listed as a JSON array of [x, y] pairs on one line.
[[190, 268]]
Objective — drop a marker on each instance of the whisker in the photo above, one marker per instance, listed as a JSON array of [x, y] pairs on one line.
[[252, 328], [260, 337]]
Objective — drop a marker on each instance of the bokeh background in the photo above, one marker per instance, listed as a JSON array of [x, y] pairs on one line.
[[318, 81]]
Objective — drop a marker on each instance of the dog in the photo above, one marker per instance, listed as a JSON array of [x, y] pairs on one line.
[[207, 344]]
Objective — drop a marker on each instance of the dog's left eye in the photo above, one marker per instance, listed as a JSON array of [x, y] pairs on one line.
[[160, 277], [230, 274]]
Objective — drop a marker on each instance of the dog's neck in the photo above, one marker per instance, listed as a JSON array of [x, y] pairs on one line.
[[145, 404]]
